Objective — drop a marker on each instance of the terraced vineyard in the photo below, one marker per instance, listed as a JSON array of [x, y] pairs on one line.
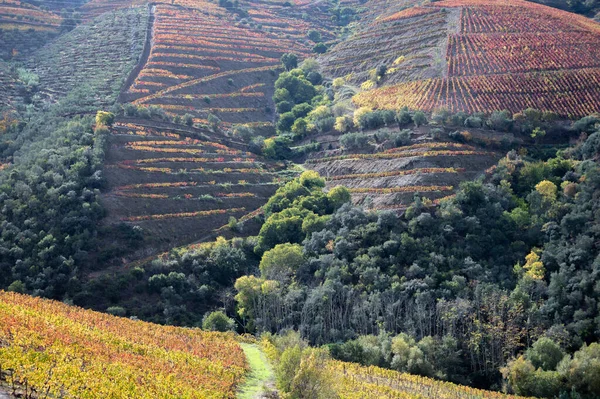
[[357, 382], [20, 15], [180, 184], [100, 53], [8, 83], [59, 350], [496, 55], [409, 42], [391, 178], [24, 28], [204, 64]]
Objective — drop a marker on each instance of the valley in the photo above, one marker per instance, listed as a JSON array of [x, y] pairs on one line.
[[329, 199]]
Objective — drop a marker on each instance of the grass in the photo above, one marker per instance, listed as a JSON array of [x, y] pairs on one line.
[[260, 374]]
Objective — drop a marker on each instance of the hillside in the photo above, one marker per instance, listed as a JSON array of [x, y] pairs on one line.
[[384, 176], [24, 28], [56, 350], [179, 184], [94, 58], [358, 382], [475, 56], [216, 67]]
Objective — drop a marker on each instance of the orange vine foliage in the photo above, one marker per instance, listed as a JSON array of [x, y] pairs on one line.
[[358, 382], [65, 351]]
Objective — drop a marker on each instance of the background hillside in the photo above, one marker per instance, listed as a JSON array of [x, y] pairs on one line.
[[481, 56]]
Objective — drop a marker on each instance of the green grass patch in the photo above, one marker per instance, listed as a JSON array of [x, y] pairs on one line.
[[259, 375]]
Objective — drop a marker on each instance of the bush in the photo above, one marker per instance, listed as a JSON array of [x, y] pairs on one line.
[[117, 311], [286, 121], [188, 120], [319, 48], [289, 61], [419, 118], [355, 141], [217, 321]]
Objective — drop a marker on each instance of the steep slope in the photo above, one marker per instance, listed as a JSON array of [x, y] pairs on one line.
[[95, 56], [357, 382], [202, 63], [477, 56], [389, 178], [179, 184], [24, 28], [58, 350]]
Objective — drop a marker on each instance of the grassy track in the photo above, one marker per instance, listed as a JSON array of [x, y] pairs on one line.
[[260, 375]]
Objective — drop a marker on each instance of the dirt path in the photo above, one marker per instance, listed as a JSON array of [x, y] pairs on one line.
[[4, 395], [143, 58], [260, 378]]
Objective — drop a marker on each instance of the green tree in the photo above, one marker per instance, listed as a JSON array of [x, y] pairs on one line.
[[217, 321], [545, 354], [419, 118], [319, 48], [338, 196], [289, 61], [281, 262]]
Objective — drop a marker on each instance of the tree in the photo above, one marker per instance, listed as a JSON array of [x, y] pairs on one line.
[[338, 196], [314, 35], [584, 371], [312, 379], [217, 321], [214, 121], [301, 110], [319, 48], [545, 354], [281, 262], [289, 61], [188, 120], [419, 118], [16, 286], [285, 122], [104, 118], [244, 132], [311, 179], [299, 127]]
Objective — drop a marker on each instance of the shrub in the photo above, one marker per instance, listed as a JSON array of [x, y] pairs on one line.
[[319, 48], [188, 120], [217, 321], [355, 141], [117, 311], [419, 118]]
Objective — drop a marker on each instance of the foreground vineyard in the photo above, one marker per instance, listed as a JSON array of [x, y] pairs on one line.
[[496, 55], [358, 382], [61, 351]]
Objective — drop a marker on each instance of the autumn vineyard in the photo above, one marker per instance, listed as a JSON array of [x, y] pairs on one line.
[[307, 199], [504, 55]]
